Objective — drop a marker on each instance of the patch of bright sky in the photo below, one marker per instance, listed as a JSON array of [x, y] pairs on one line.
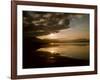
[[79, 29]]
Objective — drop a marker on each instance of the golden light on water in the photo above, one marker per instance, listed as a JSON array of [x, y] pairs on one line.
[[52, 50], [75, 51]]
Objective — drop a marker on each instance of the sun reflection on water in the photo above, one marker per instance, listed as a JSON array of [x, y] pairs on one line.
[[52, 50], [75, 51]]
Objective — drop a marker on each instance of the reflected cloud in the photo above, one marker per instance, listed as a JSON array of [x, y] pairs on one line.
[[69, 50], [52, 50]]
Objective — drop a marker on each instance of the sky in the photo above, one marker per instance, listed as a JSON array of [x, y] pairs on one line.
[[52, 25], [78, 29]]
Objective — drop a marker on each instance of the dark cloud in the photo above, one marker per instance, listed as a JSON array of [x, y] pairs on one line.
[[43, 23]]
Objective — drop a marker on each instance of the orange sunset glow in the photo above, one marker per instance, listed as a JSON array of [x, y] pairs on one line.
[[54, 39]]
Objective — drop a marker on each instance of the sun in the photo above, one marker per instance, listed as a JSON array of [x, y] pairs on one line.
[[52, 51], [52, 36], [49, 36]]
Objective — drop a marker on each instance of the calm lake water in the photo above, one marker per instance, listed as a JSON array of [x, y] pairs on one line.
[[56, 55], [71, 50]]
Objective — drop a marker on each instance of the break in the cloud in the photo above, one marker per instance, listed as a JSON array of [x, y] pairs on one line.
[[79, 29], [50, 25]]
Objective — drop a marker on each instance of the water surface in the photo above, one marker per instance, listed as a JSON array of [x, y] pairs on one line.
[[72, 50]]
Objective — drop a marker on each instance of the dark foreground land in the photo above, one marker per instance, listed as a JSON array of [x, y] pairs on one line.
[[40, 59]]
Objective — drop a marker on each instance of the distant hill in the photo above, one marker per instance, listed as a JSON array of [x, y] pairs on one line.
[[33, 41], [64, 41]]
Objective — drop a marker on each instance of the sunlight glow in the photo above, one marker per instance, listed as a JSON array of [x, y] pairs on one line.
[[49, 36], [52, 51], [69, 50], [52, 36]]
